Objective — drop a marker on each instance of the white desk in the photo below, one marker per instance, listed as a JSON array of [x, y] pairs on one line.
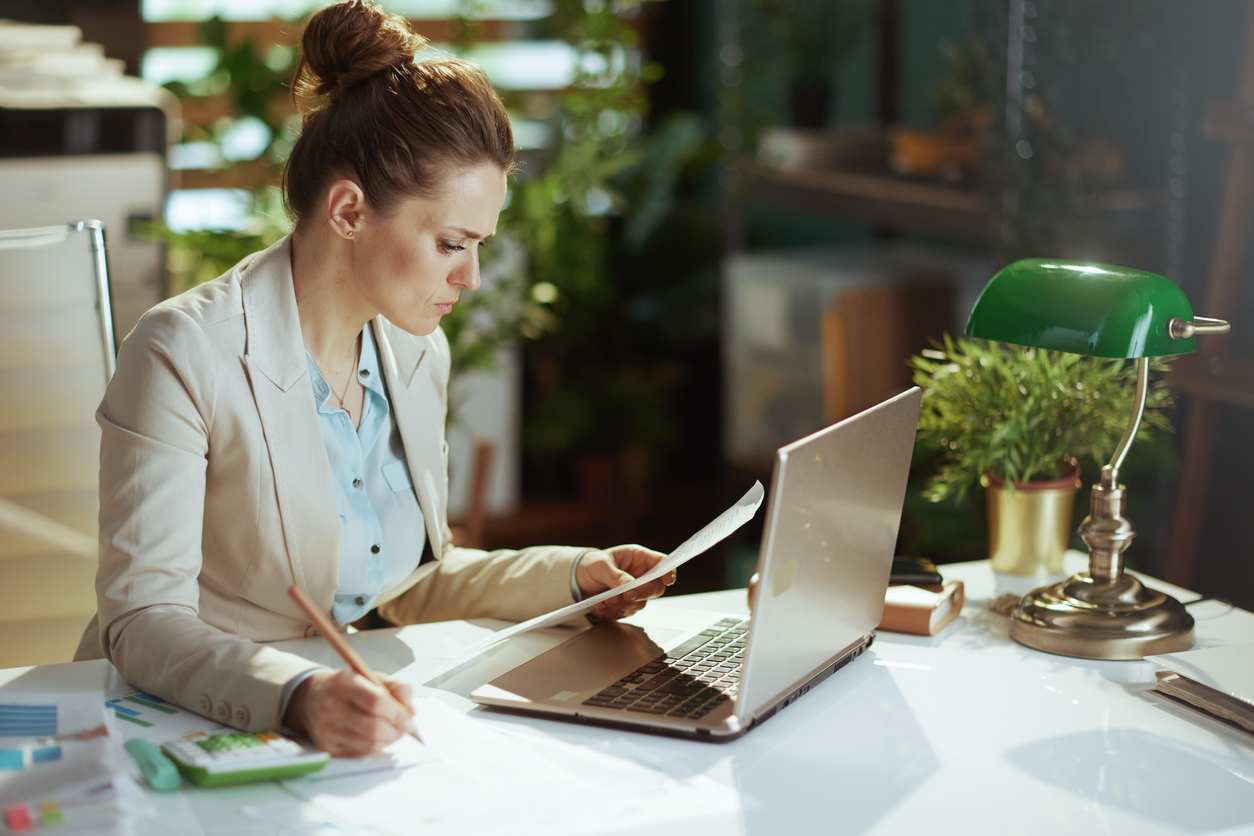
[[964, 732]]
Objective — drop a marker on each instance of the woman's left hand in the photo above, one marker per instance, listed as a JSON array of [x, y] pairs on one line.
[[602, 570]]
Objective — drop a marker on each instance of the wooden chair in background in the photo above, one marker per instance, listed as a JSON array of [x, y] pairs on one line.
[[470, 530], [868, 336]]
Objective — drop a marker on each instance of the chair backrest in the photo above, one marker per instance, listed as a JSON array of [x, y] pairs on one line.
[[56, 356], [869, 335]]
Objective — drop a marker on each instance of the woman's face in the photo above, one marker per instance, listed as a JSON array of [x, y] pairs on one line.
[[412, 265]]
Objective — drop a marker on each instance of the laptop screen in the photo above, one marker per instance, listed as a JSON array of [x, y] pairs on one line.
[[827, 547]]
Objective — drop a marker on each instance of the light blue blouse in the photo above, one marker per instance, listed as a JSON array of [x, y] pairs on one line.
[[382, 532], [381, 525]]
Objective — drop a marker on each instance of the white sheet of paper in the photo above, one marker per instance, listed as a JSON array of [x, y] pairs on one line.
[[402, 754], [484, 779], [722, 525]]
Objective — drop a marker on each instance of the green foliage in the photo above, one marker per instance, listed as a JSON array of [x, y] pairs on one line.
[[562, 211], [600, 201], [636, 308], [1017, 412], [252, 81]]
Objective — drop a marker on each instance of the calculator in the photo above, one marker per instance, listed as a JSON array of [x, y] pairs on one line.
[[212, 760]]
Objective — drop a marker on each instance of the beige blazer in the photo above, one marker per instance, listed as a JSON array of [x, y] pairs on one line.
[[216, 495]]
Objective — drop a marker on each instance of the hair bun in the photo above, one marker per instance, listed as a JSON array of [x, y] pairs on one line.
[[347, 43]]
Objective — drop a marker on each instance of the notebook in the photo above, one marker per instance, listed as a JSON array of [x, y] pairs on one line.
[[827, 549]]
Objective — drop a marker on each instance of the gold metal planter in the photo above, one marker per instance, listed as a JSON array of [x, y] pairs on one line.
[[1028, 528]]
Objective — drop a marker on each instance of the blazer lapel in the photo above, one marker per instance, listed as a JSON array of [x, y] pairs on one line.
[[278, 372], [418, 398]]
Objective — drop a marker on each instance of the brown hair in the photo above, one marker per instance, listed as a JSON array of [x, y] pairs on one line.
[[371, 112]]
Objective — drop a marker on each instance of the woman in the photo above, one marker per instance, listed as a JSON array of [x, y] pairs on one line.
[[285, 423]]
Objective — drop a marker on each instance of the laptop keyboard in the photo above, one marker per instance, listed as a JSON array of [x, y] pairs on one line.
[[690, 680]]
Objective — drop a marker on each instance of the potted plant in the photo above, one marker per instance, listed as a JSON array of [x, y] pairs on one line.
[[1016, 420]]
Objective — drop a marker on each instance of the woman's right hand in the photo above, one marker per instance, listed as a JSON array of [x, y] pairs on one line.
[[347, 715]]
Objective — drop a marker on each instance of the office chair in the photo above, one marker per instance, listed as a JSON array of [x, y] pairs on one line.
[[56, 356]]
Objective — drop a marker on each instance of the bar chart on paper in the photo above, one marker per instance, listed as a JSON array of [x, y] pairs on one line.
[[44, 715], [152, 718], [28, 720], [138, 709]]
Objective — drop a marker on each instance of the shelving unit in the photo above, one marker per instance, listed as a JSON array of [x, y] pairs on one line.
[[881, 199], [909, 204]]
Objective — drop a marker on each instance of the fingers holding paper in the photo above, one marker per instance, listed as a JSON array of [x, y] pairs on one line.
[[602, 570], [347, 715]]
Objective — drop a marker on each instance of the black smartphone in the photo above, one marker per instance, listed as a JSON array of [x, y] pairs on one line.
[[914, 570]]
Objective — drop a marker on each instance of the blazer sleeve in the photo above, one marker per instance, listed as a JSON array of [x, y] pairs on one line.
[[471, 583], [156, 419]]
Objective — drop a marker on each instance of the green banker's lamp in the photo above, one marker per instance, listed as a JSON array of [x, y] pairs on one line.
[[1100, 311]]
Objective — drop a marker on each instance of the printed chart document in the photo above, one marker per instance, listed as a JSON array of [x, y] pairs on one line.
[[25, 714], [62, 764], [722, 525]]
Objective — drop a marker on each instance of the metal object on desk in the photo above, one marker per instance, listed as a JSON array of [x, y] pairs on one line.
[[1100, 311]]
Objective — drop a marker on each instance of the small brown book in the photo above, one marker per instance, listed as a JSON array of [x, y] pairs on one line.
[[922, 611]]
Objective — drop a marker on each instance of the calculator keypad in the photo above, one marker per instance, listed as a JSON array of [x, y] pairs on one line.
[[234, 750]]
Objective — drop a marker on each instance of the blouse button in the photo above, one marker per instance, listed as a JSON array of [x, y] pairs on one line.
[[359, 600], [356, 483], [365, 372], [374, 549]]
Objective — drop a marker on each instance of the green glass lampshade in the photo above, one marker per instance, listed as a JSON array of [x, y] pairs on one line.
[[1094, 309]]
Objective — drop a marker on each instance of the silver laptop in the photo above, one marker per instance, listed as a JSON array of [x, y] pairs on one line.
[[827, 547]]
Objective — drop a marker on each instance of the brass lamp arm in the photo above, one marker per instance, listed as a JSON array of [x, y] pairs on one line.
[[1110, 473], [1179, 329]]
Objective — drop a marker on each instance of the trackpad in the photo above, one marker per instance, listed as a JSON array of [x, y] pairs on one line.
[[591, 660]]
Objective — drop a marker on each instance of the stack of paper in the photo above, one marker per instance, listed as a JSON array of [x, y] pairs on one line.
[[62, 764]]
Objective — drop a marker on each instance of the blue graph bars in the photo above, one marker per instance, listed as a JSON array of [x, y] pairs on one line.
[[28, 720]]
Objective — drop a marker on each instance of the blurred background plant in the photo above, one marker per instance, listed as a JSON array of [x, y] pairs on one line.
[[630, 357], [965, 82], [806, 44]]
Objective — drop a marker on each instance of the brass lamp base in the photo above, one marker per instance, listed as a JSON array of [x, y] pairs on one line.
[[1101, 619]]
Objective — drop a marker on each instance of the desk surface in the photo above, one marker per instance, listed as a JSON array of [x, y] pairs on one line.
[[965, 731]]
